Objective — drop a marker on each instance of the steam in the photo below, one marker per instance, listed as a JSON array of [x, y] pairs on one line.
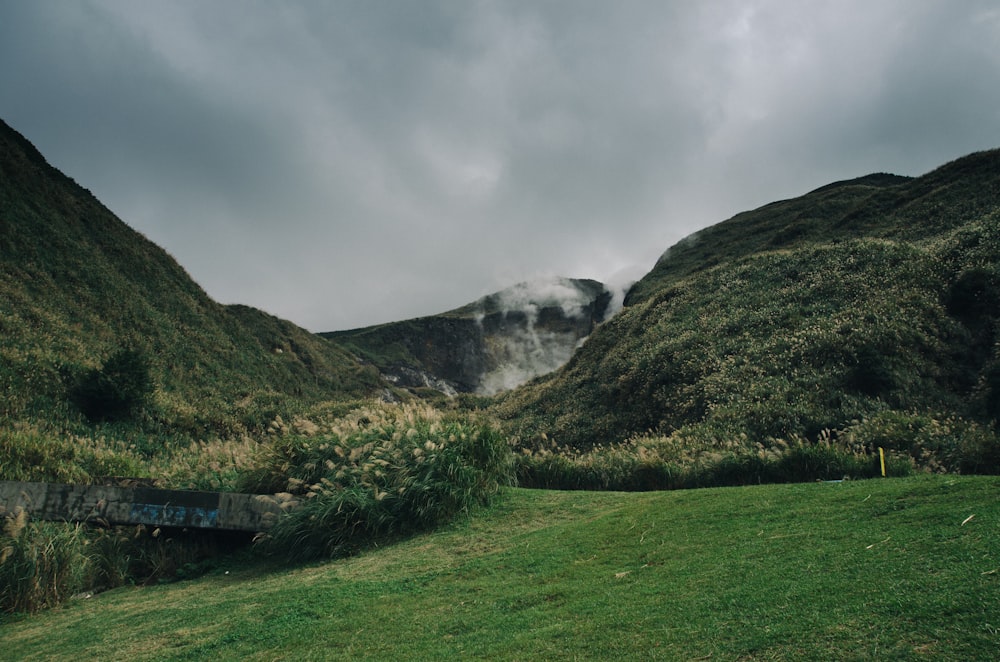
[[689, 241], [525, 349], [618, 284], [529, 297], [527, 355]]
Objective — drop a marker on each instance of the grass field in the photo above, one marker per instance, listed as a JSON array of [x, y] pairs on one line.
[[880, 569]]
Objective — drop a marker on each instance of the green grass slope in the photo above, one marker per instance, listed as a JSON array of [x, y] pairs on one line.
[[897, 569], [861, 301], [77, 285]]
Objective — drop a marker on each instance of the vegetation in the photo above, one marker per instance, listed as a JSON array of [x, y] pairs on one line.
[[696, 456], [863, 299], [898, 569], [119, 390], [378, 474], [81, 292], [798, 342], [374, 475], [32, 452], [44, 564], [856, 304]]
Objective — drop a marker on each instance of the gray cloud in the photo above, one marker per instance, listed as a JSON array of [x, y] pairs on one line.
[[347, 163]]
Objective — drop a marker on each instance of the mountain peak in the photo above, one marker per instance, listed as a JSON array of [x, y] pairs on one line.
[[493, 344]]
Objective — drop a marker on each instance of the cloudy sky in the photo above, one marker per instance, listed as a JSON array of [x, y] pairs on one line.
[[349, 162]]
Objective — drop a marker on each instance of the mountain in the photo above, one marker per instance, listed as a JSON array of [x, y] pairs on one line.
[[494, 344], [872, 299], [867, 299], [78, 287]]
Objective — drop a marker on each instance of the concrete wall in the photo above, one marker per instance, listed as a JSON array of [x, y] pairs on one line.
[[144, 505]]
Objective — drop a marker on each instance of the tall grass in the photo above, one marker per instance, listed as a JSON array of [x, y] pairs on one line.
[[40, 564], [31, 452], [43, 564], [376, 474], [361, 476], [701, 455], [660, 464]]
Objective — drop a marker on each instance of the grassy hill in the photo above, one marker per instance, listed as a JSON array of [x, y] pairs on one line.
[[864, 311], [855, 312], [897, 569], [790, 343], [78, 286]]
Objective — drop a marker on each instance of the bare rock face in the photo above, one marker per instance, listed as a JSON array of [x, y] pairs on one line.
[[493, 344], [532, 329]]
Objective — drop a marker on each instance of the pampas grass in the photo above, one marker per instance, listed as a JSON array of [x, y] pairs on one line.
[[380, 472]]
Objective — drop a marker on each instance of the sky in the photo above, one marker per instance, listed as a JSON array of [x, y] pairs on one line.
[[352, 162]]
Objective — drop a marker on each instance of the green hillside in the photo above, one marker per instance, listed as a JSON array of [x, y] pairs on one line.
[[808, 340], [863, 313], [867, 307], [78, 287]]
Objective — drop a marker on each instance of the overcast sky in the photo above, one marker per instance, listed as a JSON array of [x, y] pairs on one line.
[[346, 163]]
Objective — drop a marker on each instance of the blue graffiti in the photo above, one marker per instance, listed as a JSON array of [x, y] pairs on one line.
[[168, 515]]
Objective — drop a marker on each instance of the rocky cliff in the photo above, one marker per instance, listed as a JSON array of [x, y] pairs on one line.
[[496, 343]]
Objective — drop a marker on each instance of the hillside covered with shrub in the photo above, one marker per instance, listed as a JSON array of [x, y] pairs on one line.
[[101, 325], [795, 342], [862, 314]]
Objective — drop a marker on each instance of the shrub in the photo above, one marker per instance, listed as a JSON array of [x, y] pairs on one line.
[[871, 373], [41, 565], [117, 391], [990, 395], [972, 297], [34, 453], [30, 455], [937, 444], [697, 456], [377, 474]]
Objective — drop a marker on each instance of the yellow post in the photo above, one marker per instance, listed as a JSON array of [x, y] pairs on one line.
[[881, 459]]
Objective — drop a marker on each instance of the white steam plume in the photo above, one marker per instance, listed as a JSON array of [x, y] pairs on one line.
[[523, 352]]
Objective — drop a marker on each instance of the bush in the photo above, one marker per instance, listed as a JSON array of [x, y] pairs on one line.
[[697, 456], [33, 453], [119, 390], [41, 565], [30, 455], [991, 392], [937, 444], [377, 474], [871, 373], [972, 297]]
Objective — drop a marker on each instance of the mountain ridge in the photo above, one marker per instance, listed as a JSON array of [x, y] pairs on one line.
[[78, 284], [873, 297], [867, 297], [870, 204]]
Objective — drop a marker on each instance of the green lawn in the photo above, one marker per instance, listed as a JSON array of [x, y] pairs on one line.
[[882, 569]]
